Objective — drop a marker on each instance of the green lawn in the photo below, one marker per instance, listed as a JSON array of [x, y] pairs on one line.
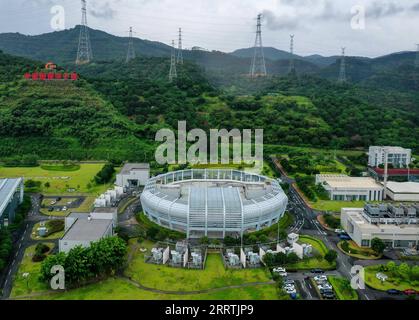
[[335, 206], [392, 283], [214, 275], [54, 236], [59, 181], [119, 289], [161, 277], [359, 252], [314, 262], [343, 288], [22, 286]]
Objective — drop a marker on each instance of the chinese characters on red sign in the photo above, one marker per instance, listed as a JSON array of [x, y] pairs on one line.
[[42, 76]]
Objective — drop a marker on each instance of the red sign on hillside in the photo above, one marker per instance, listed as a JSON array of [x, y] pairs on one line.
[[50, 74]]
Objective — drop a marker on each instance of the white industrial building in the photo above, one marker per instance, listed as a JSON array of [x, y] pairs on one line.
[[403, 191], [11, 196], [133, 175], [396, 225], [344, 188], [81, 229], [397, 156]]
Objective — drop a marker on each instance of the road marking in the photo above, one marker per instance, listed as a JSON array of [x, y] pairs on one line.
[[366, 297]]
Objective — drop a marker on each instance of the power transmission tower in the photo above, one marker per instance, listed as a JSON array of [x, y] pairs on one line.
[[131, 51], [258, 68], [84, 52], [180, 49], [342, 74], [173, 72], [292, 58], [417, 57]]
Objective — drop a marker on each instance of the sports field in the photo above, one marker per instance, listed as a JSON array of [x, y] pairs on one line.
[[60, 182]]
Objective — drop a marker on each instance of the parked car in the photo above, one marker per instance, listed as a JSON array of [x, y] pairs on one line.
[[409, 292], [320, 278], [50, 209], [289, 281], [394, 291], [64, 208], [317, 271], [328, 295], [344, 237], [293, 296], [325, 286], [339, 231], [279, 270], [289, 287]]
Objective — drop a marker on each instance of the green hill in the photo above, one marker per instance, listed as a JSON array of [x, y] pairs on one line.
[[64, 120]]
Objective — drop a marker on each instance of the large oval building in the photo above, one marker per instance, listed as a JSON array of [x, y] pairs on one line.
[[213, 203]]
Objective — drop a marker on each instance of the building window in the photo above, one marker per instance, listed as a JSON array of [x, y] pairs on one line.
[[365, 243]]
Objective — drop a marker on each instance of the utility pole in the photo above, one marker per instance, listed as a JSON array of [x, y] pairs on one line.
[[131, 51], [180, 49], [342, 74], [258, 68], [84, 51], [173, 72], [292, 59]]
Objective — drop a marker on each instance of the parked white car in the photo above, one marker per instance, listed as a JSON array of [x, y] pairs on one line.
[[320, 278], [325, 286], [279, 270], [381, 276], [339, 231]]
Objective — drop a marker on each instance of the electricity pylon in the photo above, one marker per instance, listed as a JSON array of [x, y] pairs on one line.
[[84, 51], [258, 67]]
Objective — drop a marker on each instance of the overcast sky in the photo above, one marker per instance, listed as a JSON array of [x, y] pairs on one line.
[[319, 26]]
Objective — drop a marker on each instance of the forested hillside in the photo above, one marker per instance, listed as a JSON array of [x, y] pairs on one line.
[[115, 109]]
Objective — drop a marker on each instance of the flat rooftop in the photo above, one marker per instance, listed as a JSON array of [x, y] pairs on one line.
[[7, 189], [85, 230], [106, 210], [346, 182], [128, 167], [355, 214], [403, 187]]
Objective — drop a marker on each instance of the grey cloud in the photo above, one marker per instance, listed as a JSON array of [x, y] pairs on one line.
[[274, 22], [384, 9], [102, 10]]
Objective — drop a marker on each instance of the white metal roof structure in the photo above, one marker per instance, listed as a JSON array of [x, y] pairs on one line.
[[8, 188], [213, 203]]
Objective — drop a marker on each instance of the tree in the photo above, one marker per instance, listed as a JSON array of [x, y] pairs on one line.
[[378, 246], [204, 241], [392, 267], [404, 271], [331, 256], [47, 185]]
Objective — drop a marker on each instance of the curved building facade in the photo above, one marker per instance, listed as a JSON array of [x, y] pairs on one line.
[[213, 203]]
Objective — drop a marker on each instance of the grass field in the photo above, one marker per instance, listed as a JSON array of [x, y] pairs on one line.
[[60, 181], [23, 286], [119, 289], [214, 275], [359, 252], [335, 206], [314, 262], [343, 288], [161, 277], [54, 236], [372, 281]]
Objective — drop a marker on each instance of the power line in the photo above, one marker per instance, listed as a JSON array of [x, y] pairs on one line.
[[131, 51], [342, 73], [84, 52], [173, 72], [180, 49], [258, 67]]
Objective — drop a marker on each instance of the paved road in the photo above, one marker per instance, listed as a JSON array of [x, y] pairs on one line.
[[23, 242], [306, 223]]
